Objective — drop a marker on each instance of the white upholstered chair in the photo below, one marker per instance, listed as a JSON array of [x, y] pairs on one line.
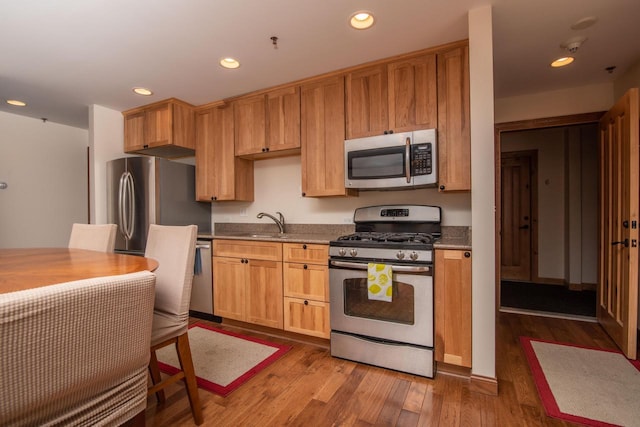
[[174, 249], [95, 237], [76, 353]]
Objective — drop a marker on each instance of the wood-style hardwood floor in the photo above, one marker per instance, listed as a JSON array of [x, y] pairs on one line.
[[307, 387]]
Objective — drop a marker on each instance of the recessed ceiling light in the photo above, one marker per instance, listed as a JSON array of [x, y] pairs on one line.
[[142, 91], [561, 62], [16, 103], [229, 63], [361, 20]]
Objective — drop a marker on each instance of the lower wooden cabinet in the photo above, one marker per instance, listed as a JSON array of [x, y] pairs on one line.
[[306, 289], [247, 277], [453, 307]]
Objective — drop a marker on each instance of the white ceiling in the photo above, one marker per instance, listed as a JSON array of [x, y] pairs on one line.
[[61, 57]]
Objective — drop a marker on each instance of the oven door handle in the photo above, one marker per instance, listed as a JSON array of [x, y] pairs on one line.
[[407, 159], [395, 268]]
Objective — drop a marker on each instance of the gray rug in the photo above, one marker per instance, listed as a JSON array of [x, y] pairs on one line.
[[222, 360], [591, 386]]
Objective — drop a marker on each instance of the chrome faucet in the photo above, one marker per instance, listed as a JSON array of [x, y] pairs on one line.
[[279, 222]]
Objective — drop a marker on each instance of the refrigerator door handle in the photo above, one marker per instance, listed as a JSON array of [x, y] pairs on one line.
[[131, 207], [121, 190]]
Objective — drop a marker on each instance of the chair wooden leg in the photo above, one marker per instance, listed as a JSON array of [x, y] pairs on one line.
[[155, 375], [184, 355]]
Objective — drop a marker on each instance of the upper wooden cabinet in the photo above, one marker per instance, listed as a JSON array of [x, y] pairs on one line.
[[322, 138], [398, 96], [220, 175], [454, 135], [163, 129], [268, 125]]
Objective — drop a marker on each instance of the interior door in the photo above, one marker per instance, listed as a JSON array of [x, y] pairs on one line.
[[516, 224], [617, 293]]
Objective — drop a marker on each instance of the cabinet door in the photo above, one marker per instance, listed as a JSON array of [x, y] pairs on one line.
[[323, 134], [310, 281], [264, 293], [283, 119], [250, 125], [367, 102], [133, 132], [229, 278], [413, 98], [454, 138], [453, 307], [306, 317], [158, 129], [219, 174]]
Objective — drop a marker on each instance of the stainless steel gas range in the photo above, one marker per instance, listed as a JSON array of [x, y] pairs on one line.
[[387, 323]]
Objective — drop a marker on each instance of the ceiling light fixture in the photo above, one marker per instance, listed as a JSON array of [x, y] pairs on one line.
[[16, 103], [361, 20], [230, 63], [142, 91], [561, 62], [583, 23]]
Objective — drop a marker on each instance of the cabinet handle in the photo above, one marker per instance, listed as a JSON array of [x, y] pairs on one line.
[[306, 302], [442, 188], [304, 247], [467, 254], [305, 266]]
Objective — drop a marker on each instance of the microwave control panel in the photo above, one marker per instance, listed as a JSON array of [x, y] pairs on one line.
[[421, 159]]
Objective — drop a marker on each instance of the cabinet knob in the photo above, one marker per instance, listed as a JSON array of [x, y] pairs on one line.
[[145, 146], [304, 247], [306, 302], [467, 254], [304, 194], [305, 266], [442, 188], [264, 149], [214, 198], [267, 149]]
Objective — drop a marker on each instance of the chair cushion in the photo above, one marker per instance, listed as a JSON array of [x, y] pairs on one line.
[[166, 326]]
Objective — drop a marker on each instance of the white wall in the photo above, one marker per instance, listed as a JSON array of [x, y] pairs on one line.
[[630, 78], [278, 188], [585, 99], [45, 166], [106, 141], [483, 202]]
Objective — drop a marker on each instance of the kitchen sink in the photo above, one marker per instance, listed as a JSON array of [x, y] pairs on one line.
[[264, 236]]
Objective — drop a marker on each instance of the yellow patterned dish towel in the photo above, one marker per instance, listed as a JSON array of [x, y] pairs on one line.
[[379, 281]]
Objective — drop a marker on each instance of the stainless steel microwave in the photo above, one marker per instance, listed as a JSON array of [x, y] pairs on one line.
[[393, 161]]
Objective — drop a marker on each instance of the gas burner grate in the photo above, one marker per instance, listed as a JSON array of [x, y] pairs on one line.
[[389, 237]]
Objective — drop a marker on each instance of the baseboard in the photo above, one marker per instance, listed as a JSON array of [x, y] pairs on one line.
[[454, 370], [582, 286], [278, 333], [484, 385]]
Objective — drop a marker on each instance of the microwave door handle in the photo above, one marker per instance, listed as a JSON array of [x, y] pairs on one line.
[[407, 159]]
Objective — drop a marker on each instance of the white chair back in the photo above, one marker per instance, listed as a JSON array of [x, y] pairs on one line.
[[174, 248], [95, 237]]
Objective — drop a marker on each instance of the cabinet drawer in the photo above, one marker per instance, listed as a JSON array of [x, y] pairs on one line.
[[304, 252], [306, 281], [252, 249], [306, 317]]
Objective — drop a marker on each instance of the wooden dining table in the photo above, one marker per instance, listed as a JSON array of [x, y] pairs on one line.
[[29, 268]]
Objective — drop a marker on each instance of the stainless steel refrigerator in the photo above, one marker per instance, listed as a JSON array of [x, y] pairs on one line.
[[150, 190]]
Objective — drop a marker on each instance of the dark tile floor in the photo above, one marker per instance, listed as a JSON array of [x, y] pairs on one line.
[[551, 298]]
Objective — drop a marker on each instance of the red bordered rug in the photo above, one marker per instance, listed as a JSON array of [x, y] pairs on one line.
[[585, 385], [223, 360]]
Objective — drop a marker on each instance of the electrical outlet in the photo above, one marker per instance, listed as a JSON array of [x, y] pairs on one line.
[[243, 212], [347, 220]]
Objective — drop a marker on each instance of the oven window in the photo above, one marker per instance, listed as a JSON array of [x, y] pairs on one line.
[[358, 304]]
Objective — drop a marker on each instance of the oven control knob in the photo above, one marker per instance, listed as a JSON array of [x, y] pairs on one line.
[[400, 255], [342, 251], [353, 252], [413, 256]]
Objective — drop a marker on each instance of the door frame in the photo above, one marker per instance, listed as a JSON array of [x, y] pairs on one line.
[[533, 208], [499, 128]]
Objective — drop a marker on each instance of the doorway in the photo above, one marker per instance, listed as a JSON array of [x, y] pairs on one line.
[[547, 218]]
